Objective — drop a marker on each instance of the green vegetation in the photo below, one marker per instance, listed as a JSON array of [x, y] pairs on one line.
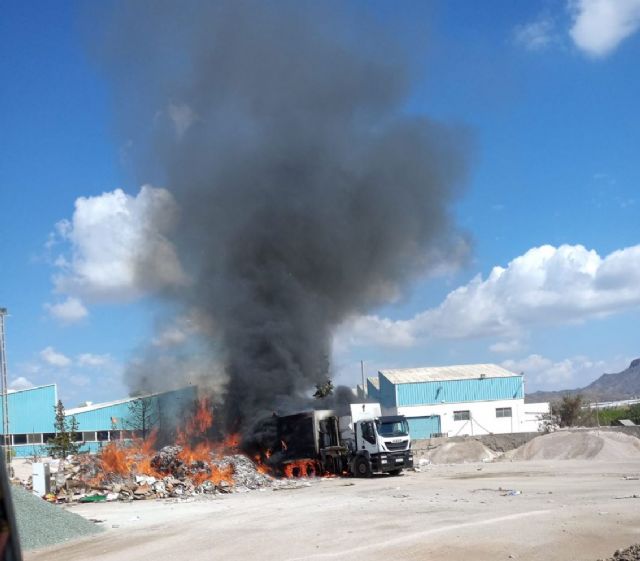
[[611, 415], [323, 390], [65, 440], [143, 416], [568, 410], [571, 411]]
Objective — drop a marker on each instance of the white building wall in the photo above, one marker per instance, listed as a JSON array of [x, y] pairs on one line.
[[483, 420]]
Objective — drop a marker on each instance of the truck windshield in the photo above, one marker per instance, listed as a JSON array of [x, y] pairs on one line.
[[392, 428]]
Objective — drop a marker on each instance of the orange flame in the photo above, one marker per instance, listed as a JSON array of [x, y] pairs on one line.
[[301, 468], [132, 459], [129, 458]]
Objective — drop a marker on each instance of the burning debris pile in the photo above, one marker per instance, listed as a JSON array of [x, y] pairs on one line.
[[195, 465], [128, 473]]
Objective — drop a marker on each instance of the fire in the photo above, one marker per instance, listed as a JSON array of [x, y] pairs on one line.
[[232, 442], [197, 459], [301, 468], [197, 452], [133, 459]]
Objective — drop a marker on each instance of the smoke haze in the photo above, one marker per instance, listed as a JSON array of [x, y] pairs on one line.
[[307, 193]]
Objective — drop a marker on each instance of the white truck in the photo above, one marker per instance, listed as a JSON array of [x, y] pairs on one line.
[[359, 444]]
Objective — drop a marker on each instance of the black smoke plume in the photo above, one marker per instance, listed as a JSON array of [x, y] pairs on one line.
[[308, 192]]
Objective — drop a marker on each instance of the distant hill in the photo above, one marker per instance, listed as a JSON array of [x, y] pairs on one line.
[[609, 387]]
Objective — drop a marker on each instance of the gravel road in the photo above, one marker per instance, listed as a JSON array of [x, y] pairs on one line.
[[565, 510]]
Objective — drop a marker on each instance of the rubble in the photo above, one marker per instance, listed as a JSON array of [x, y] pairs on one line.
[[169, 475]]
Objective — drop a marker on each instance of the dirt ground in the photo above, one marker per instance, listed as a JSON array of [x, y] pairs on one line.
[[566, 510]]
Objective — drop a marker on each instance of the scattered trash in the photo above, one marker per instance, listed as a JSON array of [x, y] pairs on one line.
[[93, 499]]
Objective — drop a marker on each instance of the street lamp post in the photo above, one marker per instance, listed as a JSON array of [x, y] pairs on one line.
[[4, 389]]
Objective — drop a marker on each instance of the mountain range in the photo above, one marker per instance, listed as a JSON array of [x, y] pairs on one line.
[[609, 387]]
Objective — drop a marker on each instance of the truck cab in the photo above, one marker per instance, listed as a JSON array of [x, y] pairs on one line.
[[381, 445]]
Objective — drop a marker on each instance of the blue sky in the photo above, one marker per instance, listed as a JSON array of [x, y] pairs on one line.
[[549, 92]]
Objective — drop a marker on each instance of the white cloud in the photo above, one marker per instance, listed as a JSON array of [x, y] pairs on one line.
[[537, 35], [53, 358], [71, 310], [545, 286], [599, 26], [509, 346], [88, 359], [569, 373], [118, 247], [79, 380], [374, 330], [20, 383]]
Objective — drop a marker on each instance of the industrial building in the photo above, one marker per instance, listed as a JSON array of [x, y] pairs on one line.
[[471, 399], [32, 418]]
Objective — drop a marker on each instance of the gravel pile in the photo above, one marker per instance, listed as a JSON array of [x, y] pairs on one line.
[[579, 445], [41, 524], [630, 554], [458, 452]]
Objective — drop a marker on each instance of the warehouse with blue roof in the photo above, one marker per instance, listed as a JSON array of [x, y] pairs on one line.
[[470, 399]]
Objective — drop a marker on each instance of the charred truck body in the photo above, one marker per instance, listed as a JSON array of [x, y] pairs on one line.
[[359, 444]]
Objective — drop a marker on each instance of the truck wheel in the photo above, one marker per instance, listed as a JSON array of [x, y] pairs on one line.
[[395, 472], [362, 467]]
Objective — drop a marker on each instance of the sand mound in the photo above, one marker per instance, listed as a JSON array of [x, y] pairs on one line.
[[579, 445], [467, 451]]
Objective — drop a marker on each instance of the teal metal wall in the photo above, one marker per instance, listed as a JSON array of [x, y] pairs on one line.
[[31, 411], [423, 427], [456, 391], [29, 450], [387, 394], [104, 418], [372, 391], [119, 417]]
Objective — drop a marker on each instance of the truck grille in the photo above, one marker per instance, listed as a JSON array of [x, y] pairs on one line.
[[392, 446]]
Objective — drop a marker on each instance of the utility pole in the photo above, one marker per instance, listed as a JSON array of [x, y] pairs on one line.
[[4, 387]]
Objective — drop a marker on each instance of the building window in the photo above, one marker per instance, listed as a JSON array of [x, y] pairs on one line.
[[48, 436], [461, 415], [89, 436], [77, 437], [19, 438], [503, 412], [34, 438], [115, 435], [103, 435]]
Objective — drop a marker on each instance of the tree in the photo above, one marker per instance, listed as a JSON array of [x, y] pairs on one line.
[[65, 441], [324, 390], [569, 410], [143, 416]]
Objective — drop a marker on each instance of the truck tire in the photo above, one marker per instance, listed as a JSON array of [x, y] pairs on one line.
[[362, 467], [395, 472]]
